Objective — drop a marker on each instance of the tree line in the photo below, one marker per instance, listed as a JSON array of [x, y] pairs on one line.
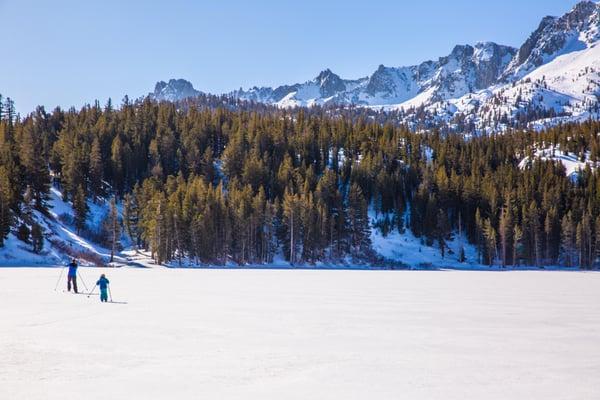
[[221, 184]]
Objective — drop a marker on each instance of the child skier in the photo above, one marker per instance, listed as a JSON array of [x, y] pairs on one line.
[[103, 284]]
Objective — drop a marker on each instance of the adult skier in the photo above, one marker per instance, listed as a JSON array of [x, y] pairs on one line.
[[103, 285], [72, 275]]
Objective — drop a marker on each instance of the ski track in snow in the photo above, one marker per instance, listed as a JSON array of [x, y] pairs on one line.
[[265, 334]]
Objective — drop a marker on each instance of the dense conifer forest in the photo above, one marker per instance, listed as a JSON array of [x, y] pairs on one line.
[[237, 184]]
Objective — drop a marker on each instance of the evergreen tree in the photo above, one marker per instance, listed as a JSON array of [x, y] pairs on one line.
[[23, 233], [491, 240], [358, 221], [5, 211], [479, 234], [113, 228], [517, 244], [292, 215], [37, 238], [33, 163], [131, 217], [506, 231], [96, 170], [568, 240], [442, 231], [80, 208]]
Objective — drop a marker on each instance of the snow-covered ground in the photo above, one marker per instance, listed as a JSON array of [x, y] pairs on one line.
[[411, 251], [572, 163], [267, 334], [57, 231]]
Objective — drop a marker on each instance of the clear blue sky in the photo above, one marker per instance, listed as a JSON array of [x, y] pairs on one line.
[[74, 51]]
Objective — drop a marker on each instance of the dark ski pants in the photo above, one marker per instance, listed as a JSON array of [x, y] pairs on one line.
[[74, 280], [104, 295]]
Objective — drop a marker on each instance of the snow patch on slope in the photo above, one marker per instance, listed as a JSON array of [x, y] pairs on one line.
[[60, 238], [573, 164]]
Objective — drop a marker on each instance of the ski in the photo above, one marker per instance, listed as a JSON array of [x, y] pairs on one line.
[[87, 294]]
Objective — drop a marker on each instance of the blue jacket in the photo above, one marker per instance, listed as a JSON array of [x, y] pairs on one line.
[[72, 269], [103, 283]]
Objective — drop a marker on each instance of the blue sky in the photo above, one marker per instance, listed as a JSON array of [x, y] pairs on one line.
[[75, 51]]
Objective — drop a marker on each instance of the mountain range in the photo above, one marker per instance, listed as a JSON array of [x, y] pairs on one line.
[[553, 77]]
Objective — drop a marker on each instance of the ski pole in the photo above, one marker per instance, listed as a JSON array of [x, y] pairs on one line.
[[82, 281], [92, 291], [59, 277], [109, 293]]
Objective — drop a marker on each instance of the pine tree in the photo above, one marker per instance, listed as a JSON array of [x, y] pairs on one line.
[[597, 241], [535, 232], [23, 233], [131, 217], [37, 238], [28, 200], [550, 242], [584, 241], [96, 170], [35, 167], [5, 212], [479, 234], [517, 244], [118, 161], [159, 237], [567, 240], [292, 215], [114, 229], [208, 170], [442, 231], [358, 221], [491, 240], [80, 208], [461, 249], [505, 230]]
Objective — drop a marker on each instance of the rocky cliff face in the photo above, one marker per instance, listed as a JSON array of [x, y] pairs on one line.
[[576, 30], [175, 89]]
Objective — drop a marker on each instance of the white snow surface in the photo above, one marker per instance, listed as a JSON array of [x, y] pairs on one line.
[[267, 334], [572, 163], [411, 250]]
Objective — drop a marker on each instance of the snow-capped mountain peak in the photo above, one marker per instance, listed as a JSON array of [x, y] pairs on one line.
[[330, 83], [554, 76], [175, 89], [576, 30]]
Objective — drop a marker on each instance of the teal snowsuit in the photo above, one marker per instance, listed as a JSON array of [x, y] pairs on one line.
[[103, 284]]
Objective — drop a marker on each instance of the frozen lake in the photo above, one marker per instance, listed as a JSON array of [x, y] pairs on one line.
[[270, 334]]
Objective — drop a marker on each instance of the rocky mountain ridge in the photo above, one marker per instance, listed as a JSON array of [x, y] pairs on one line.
[[553, 76]]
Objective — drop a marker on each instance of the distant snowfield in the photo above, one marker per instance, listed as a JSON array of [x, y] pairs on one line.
[[268, 334]]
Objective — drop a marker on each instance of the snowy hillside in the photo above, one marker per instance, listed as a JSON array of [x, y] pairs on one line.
[[553, 77], [61, 240]]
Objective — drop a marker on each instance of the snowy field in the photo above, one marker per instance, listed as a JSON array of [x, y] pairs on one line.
[[269, 334]]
